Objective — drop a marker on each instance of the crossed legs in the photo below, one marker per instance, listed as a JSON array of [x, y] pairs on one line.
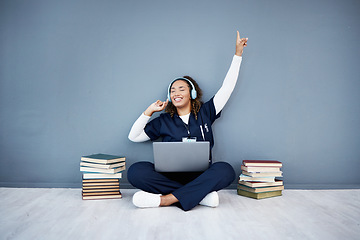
[[189, 189]]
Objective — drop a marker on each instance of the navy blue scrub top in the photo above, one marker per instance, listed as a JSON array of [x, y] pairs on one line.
[[173, 129]]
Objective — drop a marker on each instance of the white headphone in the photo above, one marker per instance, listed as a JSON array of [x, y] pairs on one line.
[[193, 92]]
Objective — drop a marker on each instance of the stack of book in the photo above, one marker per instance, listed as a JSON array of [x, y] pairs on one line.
[[258, 179], [101, 176]]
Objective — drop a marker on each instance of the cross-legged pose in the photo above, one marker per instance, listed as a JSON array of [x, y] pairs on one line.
[[185, 115]]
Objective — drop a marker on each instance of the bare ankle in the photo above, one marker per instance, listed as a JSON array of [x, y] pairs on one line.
[[167, 200]]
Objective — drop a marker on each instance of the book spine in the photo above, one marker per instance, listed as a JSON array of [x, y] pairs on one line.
[[260, 169], [256, 179], [100, 170], [102, 197], [101, 175], [100, 180], [261, 184], [259, 195], [101, 190], [262, 163], [260, 189], [102, 166], [262, 174]]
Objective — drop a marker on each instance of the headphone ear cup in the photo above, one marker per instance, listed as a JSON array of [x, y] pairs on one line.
[[193, 93], [169, 98]]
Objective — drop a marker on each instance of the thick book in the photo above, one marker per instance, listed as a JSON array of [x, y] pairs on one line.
[[101, 175], [95, 197], [100, 190], [104, 166], [260, 189], [256, 179], [100, 180], [262, 163], [100, 193], [101, 170], [262, 174], [102, 158], [100, 187], [95, 184], [260, 169], [259, 195], [262, 184]]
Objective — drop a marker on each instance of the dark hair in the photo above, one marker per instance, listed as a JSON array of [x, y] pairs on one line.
[[195, 103]]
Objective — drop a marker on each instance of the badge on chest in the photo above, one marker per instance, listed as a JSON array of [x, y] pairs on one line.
[[189, 139]]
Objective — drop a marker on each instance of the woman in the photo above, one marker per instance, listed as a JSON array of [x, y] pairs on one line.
[[184, 114]]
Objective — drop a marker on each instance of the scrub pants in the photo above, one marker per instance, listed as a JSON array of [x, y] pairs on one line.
[[188, 187]]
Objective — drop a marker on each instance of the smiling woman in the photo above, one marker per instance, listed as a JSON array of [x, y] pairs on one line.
[[185, 117], [185, 85]]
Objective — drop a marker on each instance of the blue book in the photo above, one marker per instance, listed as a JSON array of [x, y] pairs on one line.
[[103, 158]]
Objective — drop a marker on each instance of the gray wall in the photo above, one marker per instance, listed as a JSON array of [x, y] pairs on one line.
[[75, 75]]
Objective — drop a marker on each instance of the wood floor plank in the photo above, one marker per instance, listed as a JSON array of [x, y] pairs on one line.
[[33, 213]]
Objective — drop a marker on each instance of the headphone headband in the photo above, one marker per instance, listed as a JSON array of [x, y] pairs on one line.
[[193, 92]]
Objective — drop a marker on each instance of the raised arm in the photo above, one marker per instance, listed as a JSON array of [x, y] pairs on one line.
[[224, 93]]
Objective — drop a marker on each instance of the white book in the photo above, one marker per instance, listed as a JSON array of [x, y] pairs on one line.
[[101, 175], [256, 179], [101, 170]]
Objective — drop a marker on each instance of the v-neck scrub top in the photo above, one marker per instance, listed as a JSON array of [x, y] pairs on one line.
[[173, 129]]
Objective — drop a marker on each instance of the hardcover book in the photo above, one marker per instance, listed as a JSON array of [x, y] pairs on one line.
[[260, 169], [259, 195], [95, 184], [104, 166], [100, 187], [261, 184], [100, 190], [101, 170], [256, 179], [100, 193], [102, 158], [260, 189], [96, 180], [101, 175], [110, 196], [263, 174], [262, 163]]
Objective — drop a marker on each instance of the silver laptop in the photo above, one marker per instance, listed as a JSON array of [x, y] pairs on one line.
[[181, 156]]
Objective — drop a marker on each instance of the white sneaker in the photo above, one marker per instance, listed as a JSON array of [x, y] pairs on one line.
[[210, 200], [143, 199]]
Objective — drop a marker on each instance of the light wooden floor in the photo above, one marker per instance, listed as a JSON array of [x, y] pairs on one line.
[[35, 213]]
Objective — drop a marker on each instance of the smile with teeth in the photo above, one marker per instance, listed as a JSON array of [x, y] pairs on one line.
[[177, 99]]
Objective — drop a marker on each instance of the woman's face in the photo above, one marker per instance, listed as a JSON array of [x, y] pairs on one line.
[[180, 94]]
